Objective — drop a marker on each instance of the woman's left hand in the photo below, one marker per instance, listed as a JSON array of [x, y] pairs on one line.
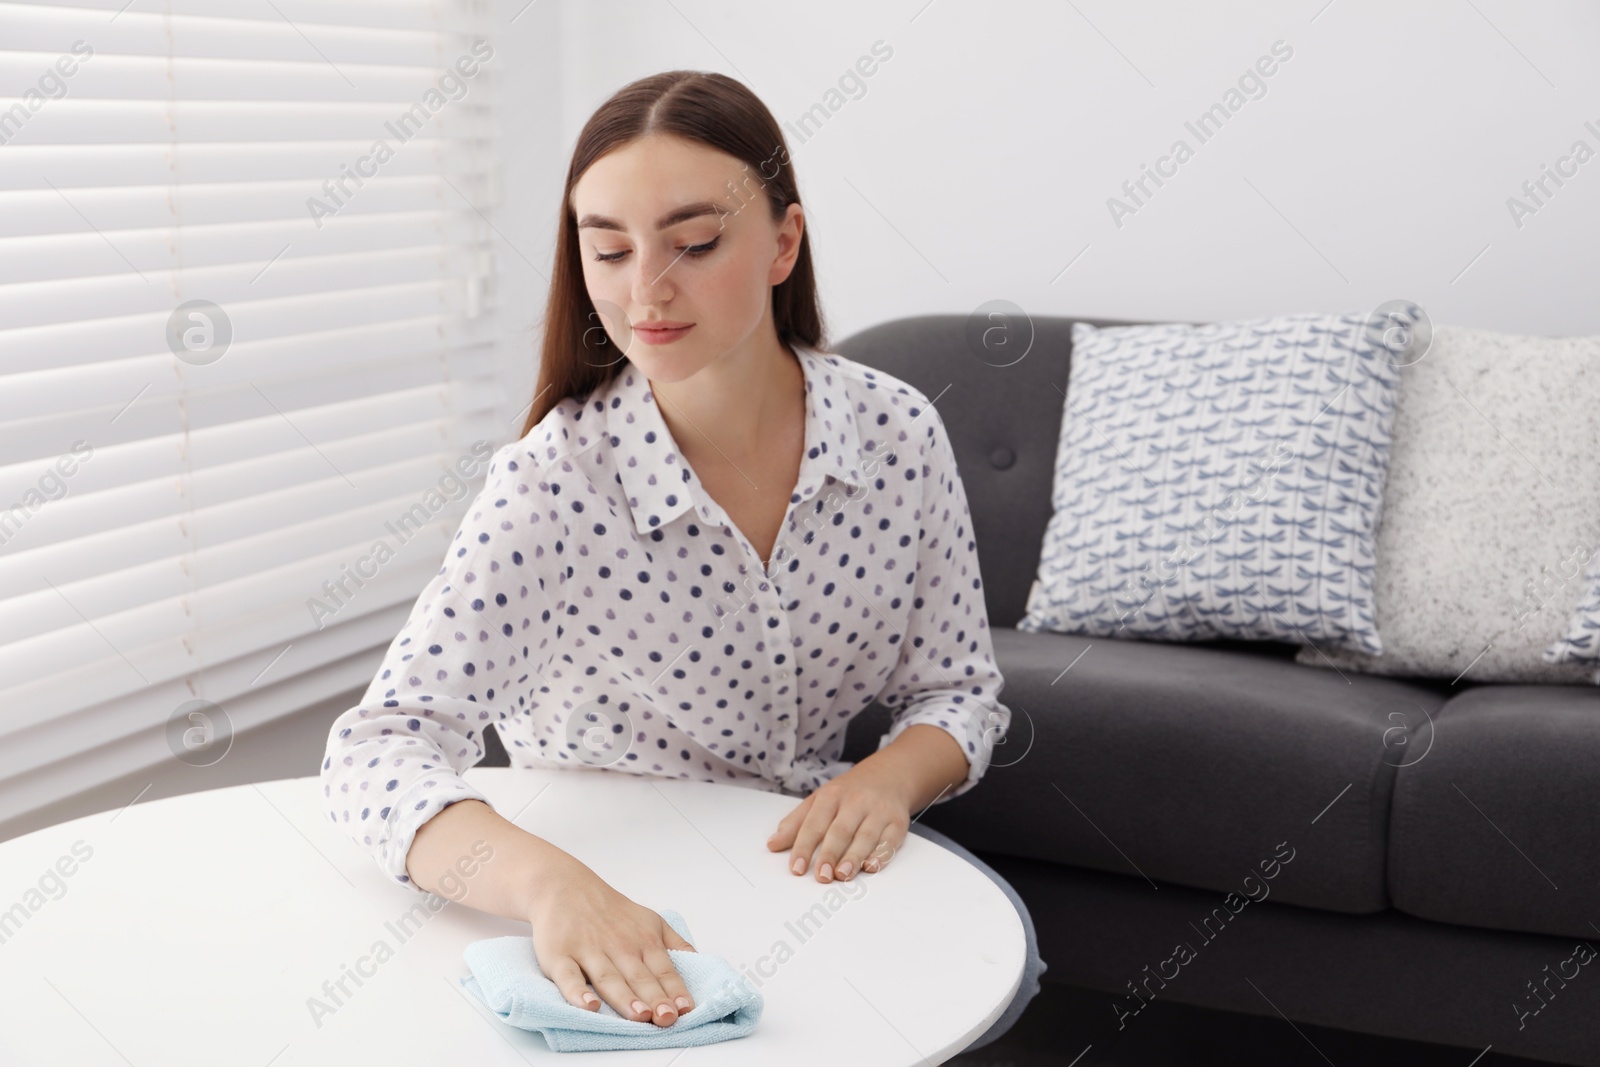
[[857, 821]]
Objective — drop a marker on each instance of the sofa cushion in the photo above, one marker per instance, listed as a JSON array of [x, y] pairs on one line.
[[1499, 825], [1189, 763]]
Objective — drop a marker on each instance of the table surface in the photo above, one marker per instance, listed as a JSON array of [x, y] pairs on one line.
[[201, 929]]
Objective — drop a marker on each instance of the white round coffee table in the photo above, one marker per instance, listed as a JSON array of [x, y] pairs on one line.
[[215, 928]]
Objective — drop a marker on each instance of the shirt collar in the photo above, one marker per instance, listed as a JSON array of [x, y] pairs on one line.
[[661, 485]]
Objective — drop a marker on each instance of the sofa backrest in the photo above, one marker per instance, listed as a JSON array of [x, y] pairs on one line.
[[1003, 421]]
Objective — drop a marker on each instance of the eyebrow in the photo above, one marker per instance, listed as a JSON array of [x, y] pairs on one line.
[[671, 218]]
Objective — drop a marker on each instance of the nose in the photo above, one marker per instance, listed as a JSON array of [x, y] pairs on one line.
[[652, 277]]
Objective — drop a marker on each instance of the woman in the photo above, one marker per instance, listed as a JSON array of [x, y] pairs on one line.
[[713, 545]]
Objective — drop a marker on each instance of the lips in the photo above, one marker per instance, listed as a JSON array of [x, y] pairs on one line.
[[660, 333]]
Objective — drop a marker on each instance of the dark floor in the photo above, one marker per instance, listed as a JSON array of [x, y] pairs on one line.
[[1069, 1027]]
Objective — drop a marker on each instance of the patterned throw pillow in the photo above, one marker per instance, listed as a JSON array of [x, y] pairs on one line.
[[1220, 480], [1491, 514]]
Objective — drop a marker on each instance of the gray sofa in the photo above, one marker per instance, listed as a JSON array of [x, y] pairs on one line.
[[1442, 841], [1432, 849]]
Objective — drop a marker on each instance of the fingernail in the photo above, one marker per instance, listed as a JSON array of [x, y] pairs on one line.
[[665, 1009], [844, 869], [683, 1004], [590, 998], [640, 1007], [799, 865], [825, 871]]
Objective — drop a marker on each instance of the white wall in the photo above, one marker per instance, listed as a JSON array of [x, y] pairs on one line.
[[978, 162]]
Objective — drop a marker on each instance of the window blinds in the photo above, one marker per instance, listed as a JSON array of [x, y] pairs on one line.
[[247, 367]]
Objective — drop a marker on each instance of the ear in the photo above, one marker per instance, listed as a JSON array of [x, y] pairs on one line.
[[790, 228]]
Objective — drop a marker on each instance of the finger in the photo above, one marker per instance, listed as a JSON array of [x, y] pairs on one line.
[[810, 834], [834, 843], [568, 977], [670, 938], [670, 981], [783, 836], [867, 837], [884, 851], [613, 987], [647, 992]]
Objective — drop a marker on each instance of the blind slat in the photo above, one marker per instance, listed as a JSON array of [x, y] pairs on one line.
[[154, 605], [256, 296], [68, 345], [61, 255], [305, 500], [52, 29], [255, 320], [224, 390], [119, 213], [133, 121], [72, 166], [311, 81], [89, 467], [31, 738], [416, 15], [117, 658]]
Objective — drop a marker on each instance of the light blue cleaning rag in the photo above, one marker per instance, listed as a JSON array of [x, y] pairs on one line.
[[506, 977]]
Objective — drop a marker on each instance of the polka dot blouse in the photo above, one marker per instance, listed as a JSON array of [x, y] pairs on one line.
[[602, 611]]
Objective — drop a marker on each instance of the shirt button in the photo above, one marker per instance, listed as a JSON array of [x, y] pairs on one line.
[[784, 674]]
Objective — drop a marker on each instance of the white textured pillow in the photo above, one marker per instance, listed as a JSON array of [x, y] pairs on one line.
[[1220, 480], [1489, 512]]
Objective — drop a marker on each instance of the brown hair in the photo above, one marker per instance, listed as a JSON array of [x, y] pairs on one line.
[[710, 108]]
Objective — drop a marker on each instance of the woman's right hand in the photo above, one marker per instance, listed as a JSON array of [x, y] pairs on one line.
[[583, 927]]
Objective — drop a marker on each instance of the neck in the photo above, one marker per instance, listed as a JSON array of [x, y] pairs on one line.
[[728, 409]]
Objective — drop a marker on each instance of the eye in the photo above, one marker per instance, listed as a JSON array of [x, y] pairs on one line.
[[692, 250]]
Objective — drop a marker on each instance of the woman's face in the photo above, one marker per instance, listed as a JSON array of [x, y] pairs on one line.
[[674, 231]]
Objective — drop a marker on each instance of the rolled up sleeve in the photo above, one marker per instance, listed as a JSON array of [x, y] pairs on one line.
[[946, 675], [468, 655]]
